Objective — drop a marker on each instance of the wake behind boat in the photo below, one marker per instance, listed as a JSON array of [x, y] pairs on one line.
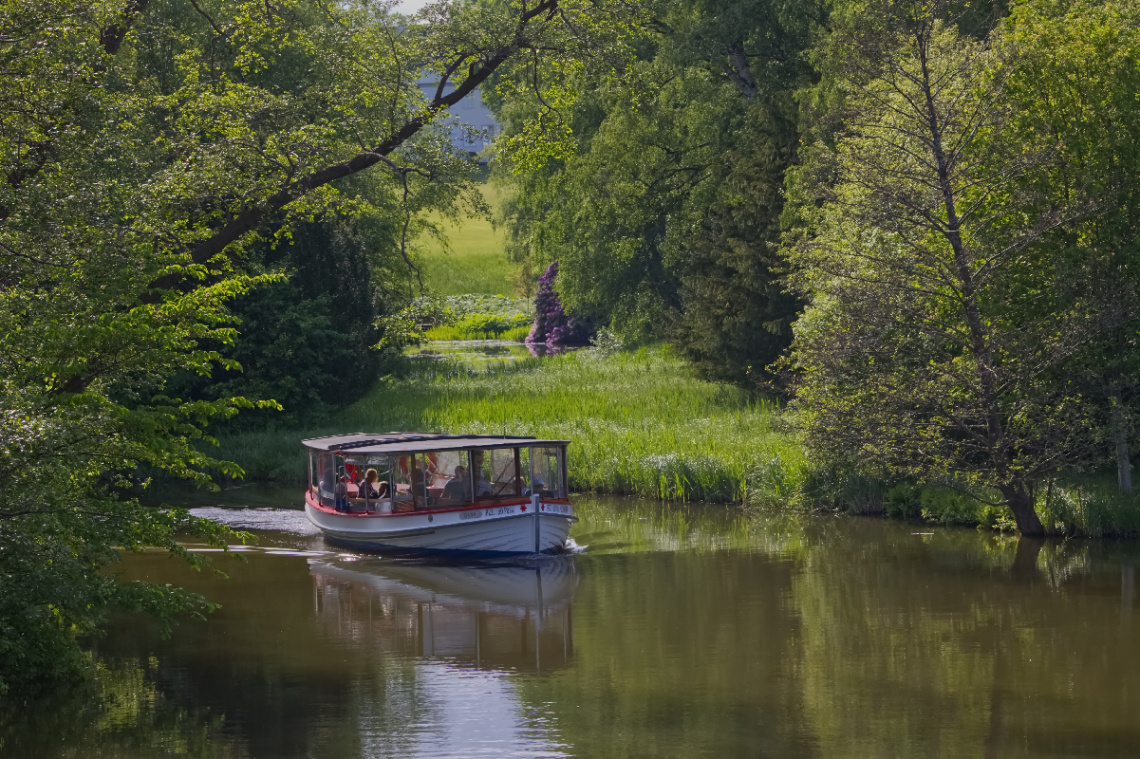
[[436, 493]]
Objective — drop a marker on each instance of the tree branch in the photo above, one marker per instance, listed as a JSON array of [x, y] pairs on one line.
[[252, 217], [113, 34]]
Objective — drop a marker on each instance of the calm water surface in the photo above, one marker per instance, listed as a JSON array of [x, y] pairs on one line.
[[672, 633]]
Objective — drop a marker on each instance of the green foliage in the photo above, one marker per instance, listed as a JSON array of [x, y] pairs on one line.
[[735, 315], [159, 162], [938, 242], [457, 317], [483, 327], [1090, 505], [904, 501], [306, 339], [663, 214], [939, 505]]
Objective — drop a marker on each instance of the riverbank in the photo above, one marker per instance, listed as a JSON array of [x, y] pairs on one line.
[[639, 424]]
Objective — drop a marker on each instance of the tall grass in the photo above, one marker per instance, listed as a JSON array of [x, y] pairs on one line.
[[1091, 505], [638, 423]]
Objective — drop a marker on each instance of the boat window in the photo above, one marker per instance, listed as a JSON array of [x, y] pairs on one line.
[[411, 492], [450, 481], [496, 473], [546, 471], [524, 469], [352, 469], [503, 475], [381, 484], [326, 479]]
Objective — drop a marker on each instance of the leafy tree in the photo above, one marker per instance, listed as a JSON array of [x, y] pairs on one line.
[[149, 150], [949, 277], [663, 211], [306, 338], [1077, 74]]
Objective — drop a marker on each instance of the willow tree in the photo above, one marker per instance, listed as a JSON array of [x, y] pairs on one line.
[[946, 311]]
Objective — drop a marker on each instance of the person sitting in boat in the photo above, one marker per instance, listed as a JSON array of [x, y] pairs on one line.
[[370, 489], [342, 493], [416, 478], [457, 488], [482, 487]]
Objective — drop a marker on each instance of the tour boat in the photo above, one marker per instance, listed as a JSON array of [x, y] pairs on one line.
[[436, 493]]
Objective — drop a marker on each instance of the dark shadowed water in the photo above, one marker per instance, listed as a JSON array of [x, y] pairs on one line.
[[695, 632]]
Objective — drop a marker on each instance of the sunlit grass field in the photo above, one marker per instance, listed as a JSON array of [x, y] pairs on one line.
[[638, 423], [477, 262]]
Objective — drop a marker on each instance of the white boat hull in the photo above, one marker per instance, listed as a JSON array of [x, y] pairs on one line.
[[509, 529]]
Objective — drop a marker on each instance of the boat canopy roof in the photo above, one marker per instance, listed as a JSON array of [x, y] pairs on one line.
[[413, 442]]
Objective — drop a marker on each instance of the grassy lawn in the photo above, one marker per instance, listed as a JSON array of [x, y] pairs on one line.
[[477, 263], [638, 423]]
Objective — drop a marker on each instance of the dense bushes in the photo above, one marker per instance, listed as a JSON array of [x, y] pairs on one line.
[[305, 340], [514, 327]]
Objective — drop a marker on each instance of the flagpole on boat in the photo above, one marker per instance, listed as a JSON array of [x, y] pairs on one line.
[[537, 531]]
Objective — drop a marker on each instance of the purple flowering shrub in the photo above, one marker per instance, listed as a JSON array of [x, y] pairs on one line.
[[553, 327]]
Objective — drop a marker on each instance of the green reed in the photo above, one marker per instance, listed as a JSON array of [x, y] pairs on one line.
[[639, 423]]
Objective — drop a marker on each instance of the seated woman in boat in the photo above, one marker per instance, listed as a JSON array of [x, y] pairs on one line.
[[458, 488], [370, 489]]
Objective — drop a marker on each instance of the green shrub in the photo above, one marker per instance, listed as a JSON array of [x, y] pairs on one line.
[[516, 334], [904, 501], [480, 317], [842, 488], [945, 506]]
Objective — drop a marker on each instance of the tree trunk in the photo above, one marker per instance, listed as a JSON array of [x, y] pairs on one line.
[[1120, 435], [1019, 502]]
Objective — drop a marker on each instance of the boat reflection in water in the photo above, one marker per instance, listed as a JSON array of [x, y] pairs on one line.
[[496, 617]]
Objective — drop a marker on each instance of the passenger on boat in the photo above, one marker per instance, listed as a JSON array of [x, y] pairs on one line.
[[342, 493], [370, 489], [482, 487], [416, 478], [457, 488]]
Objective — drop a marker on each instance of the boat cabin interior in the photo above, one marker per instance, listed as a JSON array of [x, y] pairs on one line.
[[402, 472]]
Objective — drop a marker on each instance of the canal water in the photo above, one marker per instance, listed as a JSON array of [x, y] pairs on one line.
[[670, 632]]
